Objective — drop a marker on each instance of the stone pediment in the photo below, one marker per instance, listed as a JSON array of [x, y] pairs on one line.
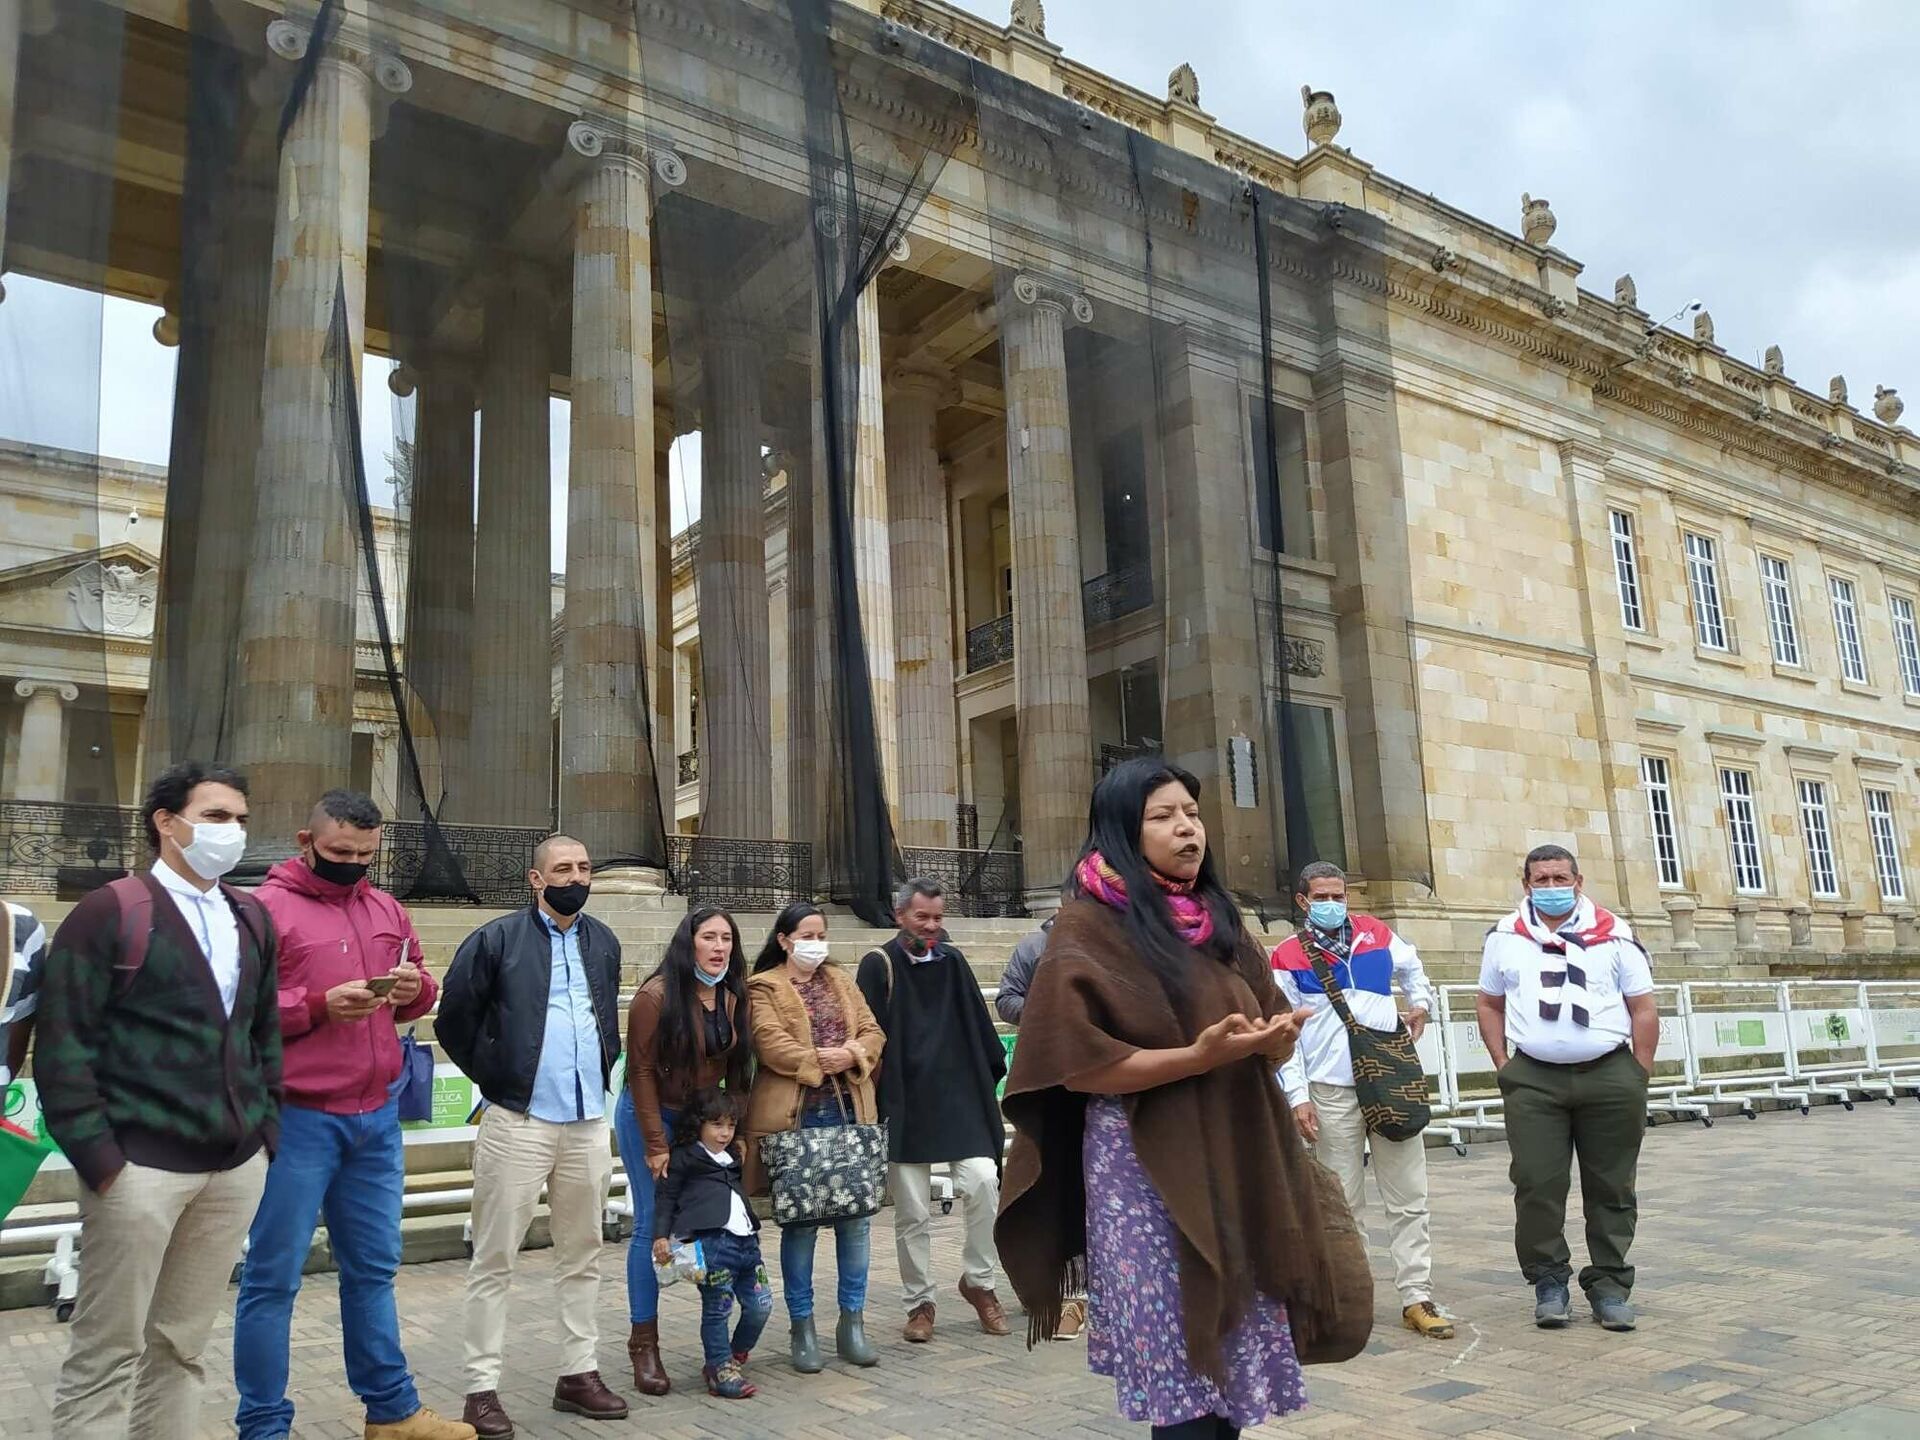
[[112, 591]]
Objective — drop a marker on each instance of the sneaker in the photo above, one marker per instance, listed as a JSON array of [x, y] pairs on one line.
[[1073, 1319], [1424, 1318], [1613, 1312], [727, 1383], [423, 1424], [1550, 1310]]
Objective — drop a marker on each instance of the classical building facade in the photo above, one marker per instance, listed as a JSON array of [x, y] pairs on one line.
[[1545, 569]]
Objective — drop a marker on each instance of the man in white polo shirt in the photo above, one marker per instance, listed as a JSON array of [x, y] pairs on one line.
[[1566, 1011]]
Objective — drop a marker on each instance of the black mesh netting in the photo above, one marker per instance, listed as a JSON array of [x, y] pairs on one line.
[[781, 448]]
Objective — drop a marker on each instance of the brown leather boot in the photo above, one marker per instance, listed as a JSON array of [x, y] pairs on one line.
[[986, 1304], [643, 1348], [919, 1324], [587, 1394], [488, 1417]]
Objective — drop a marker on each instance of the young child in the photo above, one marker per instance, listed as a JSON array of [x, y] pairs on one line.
[[703, 1198]]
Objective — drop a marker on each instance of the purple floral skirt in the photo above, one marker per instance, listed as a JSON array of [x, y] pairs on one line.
[[1135, 1334]]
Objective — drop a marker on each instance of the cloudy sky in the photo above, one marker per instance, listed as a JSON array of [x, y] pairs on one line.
[[1760, 155]]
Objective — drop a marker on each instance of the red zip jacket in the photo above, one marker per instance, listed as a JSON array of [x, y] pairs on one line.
[[330, 934]]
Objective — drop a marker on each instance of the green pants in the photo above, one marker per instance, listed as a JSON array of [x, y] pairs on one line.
[[1598, 1112]]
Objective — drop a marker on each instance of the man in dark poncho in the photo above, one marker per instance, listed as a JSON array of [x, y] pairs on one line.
[[943, 1066]]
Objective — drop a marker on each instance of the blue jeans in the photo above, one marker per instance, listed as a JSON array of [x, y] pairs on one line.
[[851, 1247], [734, 1271], [349, 1168], [643, 1286]]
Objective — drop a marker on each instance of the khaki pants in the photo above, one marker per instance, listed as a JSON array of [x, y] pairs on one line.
[[515, 1155], [1399, 1169], [156, 1253], [976, 1185]]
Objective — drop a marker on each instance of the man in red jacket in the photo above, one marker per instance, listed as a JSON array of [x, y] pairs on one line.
[[350, 968]]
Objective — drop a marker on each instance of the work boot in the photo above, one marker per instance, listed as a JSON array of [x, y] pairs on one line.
[[986, 1304], [1423, 1318], [643, 1348], [423, 1424], [587, 1394], [919, 1324], [487, 1416], [1550, 1310], [1612, 1312], [806, 1347], [850, 1339], [1073, 1319]]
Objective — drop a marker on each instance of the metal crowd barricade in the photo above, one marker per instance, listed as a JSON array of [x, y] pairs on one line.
[[1669, 1091], [1740, 1034], [1829, 1050], [1893, 1033], [1471, 1094]]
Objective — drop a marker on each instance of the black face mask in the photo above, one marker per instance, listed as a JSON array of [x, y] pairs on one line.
[[337, 872], [567, 899]]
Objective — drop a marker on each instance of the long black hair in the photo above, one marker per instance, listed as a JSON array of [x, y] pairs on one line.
[[1114, 820], [773, 954], [680, 1042]]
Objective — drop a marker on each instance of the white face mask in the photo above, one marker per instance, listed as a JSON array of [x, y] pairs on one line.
[[809, 955], [216, 849]]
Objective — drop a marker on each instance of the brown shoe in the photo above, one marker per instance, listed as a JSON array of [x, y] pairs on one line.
[[488, 1418], [1073, 1319], [587, 1394], [643, 1348], [423, 1424], [919, 1324], [1424, 1319], [986, 1305]]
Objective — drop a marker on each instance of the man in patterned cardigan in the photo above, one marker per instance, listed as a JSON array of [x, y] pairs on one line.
[[158, 1060]]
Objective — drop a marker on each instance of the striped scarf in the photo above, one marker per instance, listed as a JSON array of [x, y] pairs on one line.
[[1190, 916]]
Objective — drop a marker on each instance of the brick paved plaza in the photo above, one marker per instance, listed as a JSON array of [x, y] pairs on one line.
[[1780, 1293]]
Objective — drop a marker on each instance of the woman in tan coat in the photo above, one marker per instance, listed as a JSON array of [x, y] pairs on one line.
[[817, 1045]]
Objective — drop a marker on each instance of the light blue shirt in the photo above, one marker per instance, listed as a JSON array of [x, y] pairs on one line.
[[568, 1085]]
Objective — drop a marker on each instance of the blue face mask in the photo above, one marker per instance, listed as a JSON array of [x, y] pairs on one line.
[[1553, 900], [708, 980], [1327, 914]]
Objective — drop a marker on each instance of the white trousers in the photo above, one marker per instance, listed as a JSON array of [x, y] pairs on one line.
[[515, 1155], [1399, 1169], [976, 1185]]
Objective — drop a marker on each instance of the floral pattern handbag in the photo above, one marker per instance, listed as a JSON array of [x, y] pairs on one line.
[[827, 1173]]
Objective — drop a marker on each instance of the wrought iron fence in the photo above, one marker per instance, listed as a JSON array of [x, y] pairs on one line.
[[493, 860], [753, 875], [53, 848], [1117, 593], [982, 884], [990, 644]]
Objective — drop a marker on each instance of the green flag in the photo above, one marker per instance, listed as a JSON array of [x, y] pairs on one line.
[[21, 1155]]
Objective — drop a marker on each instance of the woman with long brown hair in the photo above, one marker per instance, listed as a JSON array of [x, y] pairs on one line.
[[1155, 1157], [687, 1030]]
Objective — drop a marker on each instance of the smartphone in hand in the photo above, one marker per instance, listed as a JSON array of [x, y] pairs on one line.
[[382, 985]]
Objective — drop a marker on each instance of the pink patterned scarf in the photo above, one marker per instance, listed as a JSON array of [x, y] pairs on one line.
[[1191, 917]]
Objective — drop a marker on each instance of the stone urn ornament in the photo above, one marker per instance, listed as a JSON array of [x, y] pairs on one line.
[[1184, 85], [1537, 220], [1888, 407], [1626, 293], [1837, 390], [1703, 327], [1319, 117], [1774, 363]]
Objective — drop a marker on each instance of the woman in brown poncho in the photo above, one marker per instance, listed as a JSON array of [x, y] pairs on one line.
[[1154, 1156]]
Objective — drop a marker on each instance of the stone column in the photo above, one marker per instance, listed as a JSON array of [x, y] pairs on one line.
[[41, 773], [872, 550], [730, 575], [1215, 685], [1360, 468], [666, 674], [804, 711], [922, 608], [10, 16], [511, 743], [1049, 624], [607, 786], [294, 734], [440, 614]]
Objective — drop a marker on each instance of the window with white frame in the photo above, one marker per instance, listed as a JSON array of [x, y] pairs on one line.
[[1776, 579], [1703, 579], [1846, 629], [1886, 844], [1906, 643], [1743, 831], [1656, 778], [1626, 569], [1818, 830]]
